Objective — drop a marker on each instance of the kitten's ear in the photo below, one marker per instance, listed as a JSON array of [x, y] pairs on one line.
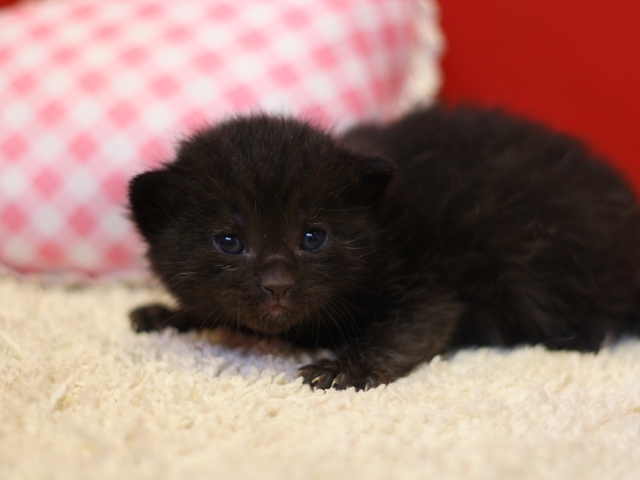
[[373, 175], [152, 201]]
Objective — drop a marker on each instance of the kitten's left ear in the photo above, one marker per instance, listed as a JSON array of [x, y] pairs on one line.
[[372, 175], [154, 200]]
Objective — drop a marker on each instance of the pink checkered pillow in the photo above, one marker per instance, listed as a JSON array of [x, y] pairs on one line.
[[94, 91]]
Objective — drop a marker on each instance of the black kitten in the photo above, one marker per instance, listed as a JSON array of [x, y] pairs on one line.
[[392, 244]]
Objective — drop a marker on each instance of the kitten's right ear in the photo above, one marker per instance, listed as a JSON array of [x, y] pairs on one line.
[[374, 173], [152, 202]]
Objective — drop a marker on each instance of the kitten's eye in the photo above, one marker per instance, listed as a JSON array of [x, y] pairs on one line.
[[313, 239], [230, 244]]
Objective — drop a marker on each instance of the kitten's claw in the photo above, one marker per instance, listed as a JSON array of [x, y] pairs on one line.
[[322, 381], [340, 380], [371, 382], [325, 374], [319, 379]]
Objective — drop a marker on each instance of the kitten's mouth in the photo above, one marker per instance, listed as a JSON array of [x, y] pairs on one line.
[[277, 306], [276, 317], [276, 310]]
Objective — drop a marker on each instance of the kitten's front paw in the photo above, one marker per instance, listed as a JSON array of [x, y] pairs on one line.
[[339, 374], [150, 318]]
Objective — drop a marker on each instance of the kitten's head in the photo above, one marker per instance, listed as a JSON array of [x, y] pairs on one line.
[[261, 222]]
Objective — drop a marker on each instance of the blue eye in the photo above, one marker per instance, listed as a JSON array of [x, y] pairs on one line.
[[230, 244], [312, 240]]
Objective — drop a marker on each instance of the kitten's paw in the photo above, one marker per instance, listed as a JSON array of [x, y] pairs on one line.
[[340, 375], [150, 318]]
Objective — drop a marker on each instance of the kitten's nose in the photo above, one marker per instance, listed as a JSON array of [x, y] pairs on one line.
[[277, 283]]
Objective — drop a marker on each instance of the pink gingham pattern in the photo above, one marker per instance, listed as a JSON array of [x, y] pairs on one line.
[[94, 91]]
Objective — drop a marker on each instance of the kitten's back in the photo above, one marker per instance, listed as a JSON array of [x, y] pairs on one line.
[[524, 222]]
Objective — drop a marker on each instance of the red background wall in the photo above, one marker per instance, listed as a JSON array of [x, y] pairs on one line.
[[574, 64]]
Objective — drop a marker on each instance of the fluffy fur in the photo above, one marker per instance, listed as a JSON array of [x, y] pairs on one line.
[[444, 228]]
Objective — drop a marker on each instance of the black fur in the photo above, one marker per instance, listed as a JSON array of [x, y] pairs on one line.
[[444, 228]]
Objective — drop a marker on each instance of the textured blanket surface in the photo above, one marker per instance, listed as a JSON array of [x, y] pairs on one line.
[[83, 397]]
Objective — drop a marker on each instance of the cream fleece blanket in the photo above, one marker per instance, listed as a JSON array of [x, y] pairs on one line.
[[83, 397]]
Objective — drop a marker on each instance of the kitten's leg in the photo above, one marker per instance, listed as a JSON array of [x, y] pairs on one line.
[[391, 347], [159, 317]]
